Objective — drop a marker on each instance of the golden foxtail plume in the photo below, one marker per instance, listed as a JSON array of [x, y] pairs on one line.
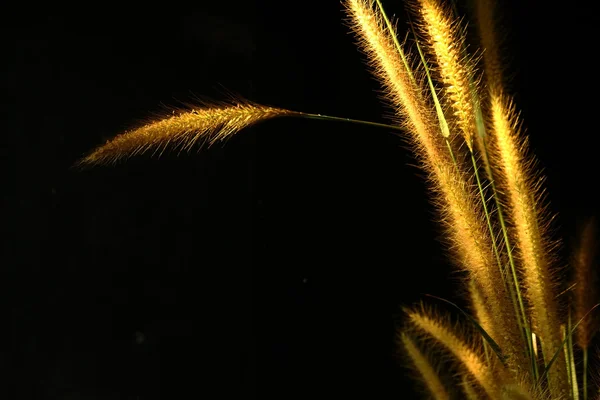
[[211, 123], [426, 370], [389, 65], [528, 228], [446, 42], [513, 370], [468, 358], [484, 318], [456, 196]]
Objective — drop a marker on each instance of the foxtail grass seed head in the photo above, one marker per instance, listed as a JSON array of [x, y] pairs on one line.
[[480, 309], [455, 193], [421, 101], [428, 373], [446, 42], [465, 355], [208, 124], [522, 194], [404, 88]]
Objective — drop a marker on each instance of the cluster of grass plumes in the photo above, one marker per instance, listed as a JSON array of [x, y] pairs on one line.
[[485, 185], [517, 341]]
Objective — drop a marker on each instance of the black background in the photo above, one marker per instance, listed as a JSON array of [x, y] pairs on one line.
[[268, 267]]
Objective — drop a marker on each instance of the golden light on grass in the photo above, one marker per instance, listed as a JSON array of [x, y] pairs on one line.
[[446, 42], [426, 370], [403, 86], [211, 123], [456, 195], [471, 243], [480, 309], [533, 250], [485, 222], [471, 360]]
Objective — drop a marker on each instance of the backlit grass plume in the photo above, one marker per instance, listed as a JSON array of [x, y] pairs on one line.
[[446, 43], [528, 229], [522, 336], [425, 369], [454, 189], [210, 123], [434, 329]]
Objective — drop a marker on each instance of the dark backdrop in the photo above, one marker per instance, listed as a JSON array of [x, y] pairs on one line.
[[269, 267]]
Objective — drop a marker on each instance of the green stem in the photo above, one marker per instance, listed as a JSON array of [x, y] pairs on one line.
[[350, 120]]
